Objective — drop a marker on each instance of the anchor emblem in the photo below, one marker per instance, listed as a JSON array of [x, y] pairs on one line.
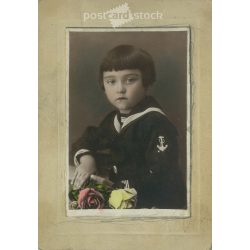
[[161, 147]]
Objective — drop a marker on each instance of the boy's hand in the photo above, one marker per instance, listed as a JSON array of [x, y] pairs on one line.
[[101, 180], [86, 168]]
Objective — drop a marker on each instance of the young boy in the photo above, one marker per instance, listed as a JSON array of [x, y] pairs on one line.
[[135, 145]]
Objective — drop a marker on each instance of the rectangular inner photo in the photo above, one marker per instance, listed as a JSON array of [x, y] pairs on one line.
[[129, 122]]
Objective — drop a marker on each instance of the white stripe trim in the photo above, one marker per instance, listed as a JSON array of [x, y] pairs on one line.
[[117, 124], [133, 117], [79, 152]]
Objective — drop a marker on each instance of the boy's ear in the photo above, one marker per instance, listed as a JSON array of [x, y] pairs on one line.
[[101, 84], [147, 89]]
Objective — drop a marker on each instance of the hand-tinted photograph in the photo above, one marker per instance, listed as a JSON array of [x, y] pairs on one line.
[[128, 122]]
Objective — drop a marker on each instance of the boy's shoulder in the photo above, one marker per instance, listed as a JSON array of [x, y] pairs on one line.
[[108, 118], [157, 121]]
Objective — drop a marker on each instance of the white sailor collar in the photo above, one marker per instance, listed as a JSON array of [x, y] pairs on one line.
[[131, 118]]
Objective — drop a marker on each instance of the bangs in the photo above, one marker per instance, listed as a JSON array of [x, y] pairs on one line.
[[121, 62]]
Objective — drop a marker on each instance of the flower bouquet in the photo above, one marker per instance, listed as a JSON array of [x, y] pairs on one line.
[[93, 195]]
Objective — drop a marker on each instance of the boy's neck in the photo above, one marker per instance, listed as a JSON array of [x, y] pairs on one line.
[[124, 114], [122, 117]]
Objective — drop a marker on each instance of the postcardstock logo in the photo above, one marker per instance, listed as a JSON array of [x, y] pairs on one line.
[[120, 15]]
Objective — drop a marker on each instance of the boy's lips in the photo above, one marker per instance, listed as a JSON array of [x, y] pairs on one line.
[[121, 98]]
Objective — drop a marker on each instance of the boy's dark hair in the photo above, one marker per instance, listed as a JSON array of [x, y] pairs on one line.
[[129, 57]]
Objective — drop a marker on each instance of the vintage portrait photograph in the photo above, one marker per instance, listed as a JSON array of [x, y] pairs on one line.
[[129, 122], [125, 125]]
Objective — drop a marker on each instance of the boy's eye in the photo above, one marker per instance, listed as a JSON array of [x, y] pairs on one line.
[[131, 80], [110, 81]]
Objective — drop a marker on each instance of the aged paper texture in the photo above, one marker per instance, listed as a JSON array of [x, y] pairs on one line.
[[57, 230]]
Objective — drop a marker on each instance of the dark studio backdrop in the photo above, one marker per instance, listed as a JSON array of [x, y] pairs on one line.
[[87, 102]]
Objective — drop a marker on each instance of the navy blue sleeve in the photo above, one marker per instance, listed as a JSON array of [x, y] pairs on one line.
[[94, 141], [163, 185]]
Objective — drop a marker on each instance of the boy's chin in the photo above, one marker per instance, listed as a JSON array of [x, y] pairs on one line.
[[124, 110]]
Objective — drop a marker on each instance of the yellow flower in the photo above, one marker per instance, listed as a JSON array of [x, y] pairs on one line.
[[123, 198]]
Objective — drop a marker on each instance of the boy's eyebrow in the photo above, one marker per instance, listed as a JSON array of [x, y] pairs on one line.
[[131, 74], [108, 77]]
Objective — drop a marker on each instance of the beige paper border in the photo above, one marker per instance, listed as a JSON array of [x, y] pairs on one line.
[[56, 230]]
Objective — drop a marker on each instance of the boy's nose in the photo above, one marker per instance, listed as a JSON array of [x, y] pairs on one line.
[[120, 88]]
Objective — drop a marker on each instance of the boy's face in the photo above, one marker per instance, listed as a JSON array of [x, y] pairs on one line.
[[124, 88]]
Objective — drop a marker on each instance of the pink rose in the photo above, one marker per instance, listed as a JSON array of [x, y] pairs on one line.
[[90, 198]]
